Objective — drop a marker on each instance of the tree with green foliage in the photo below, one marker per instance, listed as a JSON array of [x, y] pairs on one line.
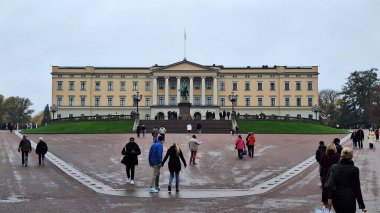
[[2, 111], [47, 117], [328, 100], [356, 92], [17, 110]]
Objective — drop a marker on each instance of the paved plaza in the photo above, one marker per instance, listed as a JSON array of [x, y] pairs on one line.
[[219, 182]]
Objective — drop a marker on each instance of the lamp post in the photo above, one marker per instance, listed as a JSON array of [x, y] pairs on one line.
[[233, 98], [136, 99], [53, 109], [316, 109]]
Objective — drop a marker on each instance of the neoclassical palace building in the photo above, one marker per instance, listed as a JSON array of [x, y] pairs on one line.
[[279, 90]]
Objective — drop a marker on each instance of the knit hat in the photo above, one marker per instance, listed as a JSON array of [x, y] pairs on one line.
[[40, 138]]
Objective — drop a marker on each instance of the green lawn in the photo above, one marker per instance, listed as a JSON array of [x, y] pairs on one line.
[[286, 127], [85, 127]]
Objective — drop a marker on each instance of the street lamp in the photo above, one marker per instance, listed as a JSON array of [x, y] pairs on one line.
[[233, 98], [316, 109], [53, 109], [136, 99]]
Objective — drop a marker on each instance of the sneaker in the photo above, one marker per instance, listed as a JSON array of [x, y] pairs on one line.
[[153, 190], [129, 180], [177, 189], [132, 182], [158, 188], [169, 188]]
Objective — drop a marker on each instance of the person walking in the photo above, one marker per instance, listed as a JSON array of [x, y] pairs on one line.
[[138, 130], [318, 154], [354, 138], [155, 161], [25, 148], [228, 115], [10, 127], [343, 185], [189, 128], [251, 139], [338, 146], [174, 154], [130, 151], [327, 160], [237, 129], [377, 134], [162, 132], [240, 146], [143, 130], [193, 146], [41, 150], [154, 133], [199, 128], [371, 138], [360, 137]]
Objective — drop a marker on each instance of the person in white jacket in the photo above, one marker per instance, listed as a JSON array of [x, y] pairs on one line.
[[371, 138], [189, 128], [193, 145]]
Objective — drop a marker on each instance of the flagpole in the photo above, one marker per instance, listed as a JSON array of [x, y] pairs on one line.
[[184, 45]]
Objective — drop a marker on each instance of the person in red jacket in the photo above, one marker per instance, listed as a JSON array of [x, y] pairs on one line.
[[240, 146], [251, 144]]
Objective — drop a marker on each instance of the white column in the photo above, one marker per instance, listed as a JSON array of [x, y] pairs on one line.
[[166, 90], [154, 91], [215, 91], [203, 98], [178, 92], [191, 90]]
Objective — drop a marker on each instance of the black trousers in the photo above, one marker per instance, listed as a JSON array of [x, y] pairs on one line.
[[360, 142], [41, 157], [251, 150], [24, 157], [130, 169]]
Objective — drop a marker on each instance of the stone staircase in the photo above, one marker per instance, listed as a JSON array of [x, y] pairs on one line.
[[179, 126]]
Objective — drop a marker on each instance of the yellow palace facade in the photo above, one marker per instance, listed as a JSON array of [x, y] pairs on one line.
[[277, 90]]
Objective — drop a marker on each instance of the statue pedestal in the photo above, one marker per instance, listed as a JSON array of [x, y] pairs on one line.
[[184, 111]]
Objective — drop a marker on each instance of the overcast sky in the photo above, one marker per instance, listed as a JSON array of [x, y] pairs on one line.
[[339, 36]]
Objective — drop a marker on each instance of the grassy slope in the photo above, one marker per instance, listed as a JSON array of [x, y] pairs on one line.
[[289, 127], [85, 127]]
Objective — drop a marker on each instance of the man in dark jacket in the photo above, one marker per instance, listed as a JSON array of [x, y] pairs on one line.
[[199, 128], [338, 146], [155, 161], [25, 148], [41, 150], [321, 149], [360, 137]]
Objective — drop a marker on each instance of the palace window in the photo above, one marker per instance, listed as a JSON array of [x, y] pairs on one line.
[[197, 84], [71, 85], [161, 84], [299, 101], [309, 85], [247, 101], [260, 86], [147, 101], [222, 86], [97, 101], [309, 101], [59, 85], [223, 101], [208, 84], [82, 76], [197, 101], [287, 101], [208, 101], [110, 76], [83, 86], [97, 85], [234, 86], [287, 86], [97, 76], [272, 86], [161, 101], [59, 101], [122, 85], [110, 101], [173, 101], [135, 86], [110, 86], [172, 84], [247, 86], [82, 101], [273, 101], [147, 85], [71, 101], [122, 76], [298, 85], [122, 101], [260, 101]]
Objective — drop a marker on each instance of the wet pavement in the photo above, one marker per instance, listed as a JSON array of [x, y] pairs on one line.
[[218, 183]]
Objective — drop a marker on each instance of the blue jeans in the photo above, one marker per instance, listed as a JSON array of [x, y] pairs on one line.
[[171, 177]]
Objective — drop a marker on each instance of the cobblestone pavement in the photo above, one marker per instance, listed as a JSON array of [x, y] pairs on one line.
[[47, 189]]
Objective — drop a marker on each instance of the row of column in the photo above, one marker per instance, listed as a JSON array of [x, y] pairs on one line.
[[191, 90]]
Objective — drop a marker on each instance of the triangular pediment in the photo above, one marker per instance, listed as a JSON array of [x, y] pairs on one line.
[[184, 66]]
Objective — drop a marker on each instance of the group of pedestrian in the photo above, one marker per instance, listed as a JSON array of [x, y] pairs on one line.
[[241, 146], [140, 129], [223, 115], [189, 128], [339, 177], [357, 137], [25, 147]]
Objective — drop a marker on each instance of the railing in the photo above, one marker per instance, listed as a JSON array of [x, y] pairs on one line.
[[95, 117], [274, 117]]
